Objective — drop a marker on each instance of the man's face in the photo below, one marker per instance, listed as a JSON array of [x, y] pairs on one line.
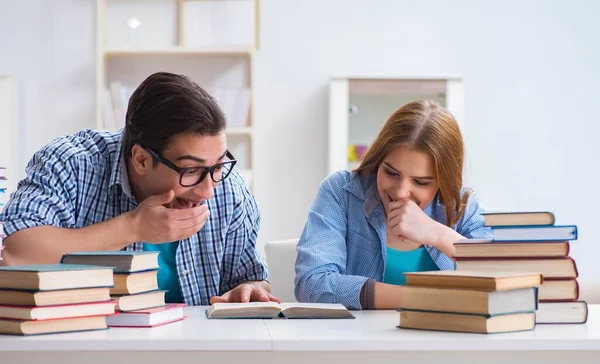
[[185, 151]]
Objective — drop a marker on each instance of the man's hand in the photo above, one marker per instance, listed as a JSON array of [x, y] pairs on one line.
[[152, 222], [246, 292]]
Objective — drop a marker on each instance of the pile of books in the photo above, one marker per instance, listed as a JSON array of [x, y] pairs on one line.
[[53, 298], [139, 301], [476, 302], [532, 242]]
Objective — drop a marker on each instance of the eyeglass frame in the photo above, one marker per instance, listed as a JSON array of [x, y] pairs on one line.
[[208, 170]]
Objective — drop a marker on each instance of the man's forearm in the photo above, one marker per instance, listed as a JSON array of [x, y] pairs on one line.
[[47, 244]]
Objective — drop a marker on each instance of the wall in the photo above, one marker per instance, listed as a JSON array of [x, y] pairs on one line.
[[530, 69]]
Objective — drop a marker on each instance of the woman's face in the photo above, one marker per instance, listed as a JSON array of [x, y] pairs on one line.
[[407, 174]]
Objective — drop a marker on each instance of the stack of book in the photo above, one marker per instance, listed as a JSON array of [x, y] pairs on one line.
[[139, 301], [135, 275], [476, 302], [53, 298], [530, 241]]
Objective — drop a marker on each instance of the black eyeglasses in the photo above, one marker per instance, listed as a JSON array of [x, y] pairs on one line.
[[191, 176]]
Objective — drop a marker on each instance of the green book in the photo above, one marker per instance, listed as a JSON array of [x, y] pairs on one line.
[[122, 261]]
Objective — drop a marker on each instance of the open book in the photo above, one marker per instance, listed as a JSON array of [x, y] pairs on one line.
[[268, 310]]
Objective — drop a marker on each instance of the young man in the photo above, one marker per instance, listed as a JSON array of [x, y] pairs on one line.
[[165, 183]]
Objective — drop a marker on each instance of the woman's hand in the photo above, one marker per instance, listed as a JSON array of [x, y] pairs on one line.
[[406, 220]]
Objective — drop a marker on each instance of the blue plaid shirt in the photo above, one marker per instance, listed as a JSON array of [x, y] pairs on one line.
[[344, 240], [80, 180]]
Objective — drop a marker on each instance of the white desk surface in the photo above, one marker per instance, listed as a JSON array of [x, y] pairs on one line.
[[370, 331], [376, 331], [195, 333]]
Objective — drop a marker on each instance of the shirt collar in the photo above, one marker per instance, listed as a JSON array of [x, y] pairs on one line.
[[118, 173], [365, 188]]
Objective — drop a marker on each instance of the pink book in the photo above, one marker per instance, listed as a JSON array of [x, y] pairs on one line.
[[151, 317]]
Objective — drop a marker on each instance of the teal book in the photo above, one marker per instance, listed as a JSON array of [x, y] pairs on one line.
[[122, 261], [48, 277]]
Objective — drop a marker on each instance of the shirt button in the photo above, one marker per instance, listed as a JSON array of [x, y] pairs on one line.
[[184, 272]]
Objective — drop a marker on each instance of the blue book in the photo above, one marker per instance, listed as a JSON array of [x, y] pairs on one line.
[[535, 233], [48, 277], [123, 261]]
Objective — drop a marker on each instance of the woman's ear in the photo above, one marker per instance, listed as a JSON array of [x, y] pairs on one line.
[[141, 160]]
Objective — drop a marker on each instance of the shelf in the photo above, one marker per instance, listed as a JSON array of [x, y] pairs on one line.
[[239, 130], [208, 51]]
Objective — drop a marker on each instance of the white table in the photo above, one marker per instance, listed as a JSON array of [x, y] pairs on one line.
[[371, 338]]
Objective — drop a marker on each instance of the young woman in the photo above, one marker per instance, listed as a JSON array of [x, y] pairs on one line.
[[401, 211]]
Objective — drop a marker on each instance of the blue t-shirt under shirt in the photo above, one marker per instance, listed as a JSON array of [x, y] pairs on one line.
[[167, 274], [399, 262]]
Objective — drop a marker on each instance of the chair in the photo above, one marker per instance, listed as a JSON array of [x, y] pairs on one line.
[[281, 259]]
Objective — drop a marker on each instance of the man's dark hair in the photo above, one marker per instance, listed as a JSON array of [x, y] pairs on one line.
[[166, 104]]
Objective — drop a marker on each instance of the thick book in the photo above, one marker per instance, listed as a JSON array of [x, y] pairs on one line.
[[122, 261], [460, 322], [152, 317], [518, 218], [57, 312], [50, 298], [469, 301], [489, 249], [480, 280], [562, 313], [139, 301], [271, 310], [552, 268], [55, 276], [558, 290], [535, 233], [27, 327], [132, 283]]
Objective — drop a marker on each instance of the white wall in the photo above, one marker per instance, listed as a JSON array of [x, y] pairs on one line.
[[531, 70], [48, 47]]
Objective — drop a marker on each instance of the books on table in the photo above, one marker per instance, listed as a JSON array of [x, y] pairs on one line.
[[531, 241], [270, 310], [52, 298], [135, 276], [476, 302]]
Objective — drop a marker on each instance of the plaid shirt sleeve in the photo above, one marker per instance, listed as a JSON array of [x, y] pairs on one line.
[[46, 195], [249, 265]]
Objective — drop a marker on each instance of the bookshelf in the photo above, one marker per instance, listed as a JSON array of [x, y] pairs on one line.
[[9, 135], [211, 41], [359, 106]]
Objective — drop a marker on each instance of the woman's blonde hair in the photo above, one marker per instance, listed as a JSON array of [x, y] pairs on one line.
[[425, 126]]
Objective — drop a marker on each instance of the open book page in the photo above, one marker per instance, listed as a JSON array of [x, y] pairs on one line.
[[315, 310]]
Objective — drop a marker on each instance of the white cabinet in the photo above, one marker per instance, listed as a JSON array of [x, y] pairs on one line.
[[359, 106]]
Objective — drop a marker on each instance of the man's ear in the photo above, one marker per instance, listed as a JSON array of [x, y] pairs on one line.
[[141, 160]]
